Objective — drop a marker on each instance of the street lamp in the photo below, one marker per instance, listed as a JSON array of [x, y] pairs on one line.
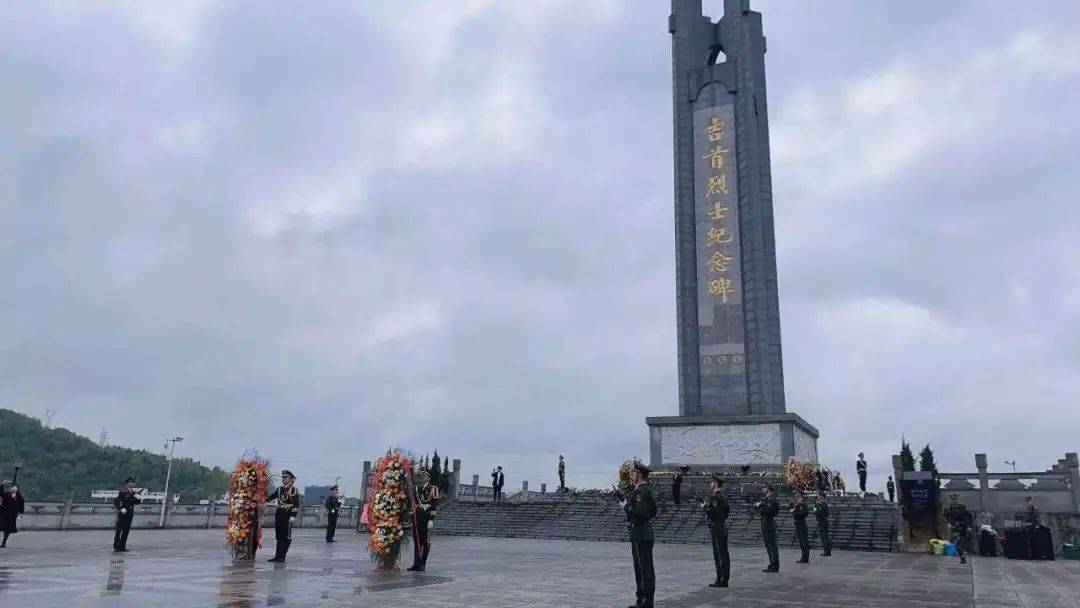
[[170, 445], [1013, 463], [15, 464]]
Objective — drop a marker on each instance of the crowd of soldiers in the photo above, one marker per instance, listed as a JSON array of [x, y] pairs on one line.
[[640, 507]]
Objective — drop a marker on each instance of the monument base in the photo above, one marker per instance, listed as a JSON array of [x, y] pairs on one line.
[[761, 441]]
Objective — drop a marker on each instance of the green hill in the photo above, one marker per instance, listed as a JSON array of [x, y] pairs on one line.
[[57, 463]]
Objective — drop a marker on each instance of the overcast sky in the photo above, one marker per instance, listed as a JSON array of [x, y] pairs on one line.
[[324, 228]]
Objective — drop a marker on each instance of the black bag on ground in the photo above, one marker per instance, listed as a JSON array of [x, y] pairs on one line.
[[1017, 543], [1042, 543], [987, 543]]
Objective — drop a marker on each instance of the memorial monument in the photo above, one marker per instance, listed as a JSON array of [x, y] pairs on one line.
[[731, 379]]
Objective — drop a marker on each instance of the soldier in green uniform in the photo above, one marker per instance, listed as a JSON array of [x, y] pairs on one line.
[[799, 513], [717, 510], [640, 508], [767, 508], [821, 513]]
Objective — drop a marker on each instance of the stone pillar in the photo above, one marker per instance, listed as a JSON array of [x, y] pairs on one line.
[[65, 514], [1073, 462], [543, 488], [210, 511], [475, 487], [525, 491], [455, 465], [984, 482]]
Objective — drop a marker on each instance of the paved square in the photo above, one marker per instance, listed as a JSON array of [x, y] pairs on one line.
[[190, 568]]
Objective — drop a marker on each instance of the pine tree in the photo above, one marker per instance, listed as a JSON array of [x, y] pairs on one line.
[[926, 459], [436, 469], [907, 459]]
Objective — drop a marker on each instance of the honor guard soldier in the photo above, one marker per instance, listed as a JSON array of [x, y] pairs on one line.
[[640, 508], [717, 510], [767, 508], [288, 505], [890, 487], [333, 505], [124, 502], [427, 498], [821, 513], [799, 513]]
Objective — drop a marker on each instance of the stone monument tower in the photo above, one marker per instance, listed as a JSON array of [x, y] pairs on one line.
[[731, 378]]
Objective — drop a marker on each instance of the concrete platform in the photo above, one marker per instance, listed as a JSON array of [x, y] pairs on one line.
[[190, 568]]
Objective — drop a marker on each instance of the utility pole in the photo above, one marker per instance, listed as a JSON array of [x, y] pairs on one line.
[[170, 445], [15, 464]]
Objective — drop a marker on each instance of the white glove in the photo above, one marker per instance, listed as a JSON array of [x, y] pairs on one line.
[[124, 511], [431, 524], [292, 520], [622, 503], [425, 507]]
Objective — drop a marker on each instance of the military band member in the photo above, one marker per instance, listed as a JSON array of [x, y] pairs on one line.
[[799, 513], [821, 513], [333, 505], [640, 508], [427, 499], [124, 502], [717, 510], [767, 508], [288, 505]]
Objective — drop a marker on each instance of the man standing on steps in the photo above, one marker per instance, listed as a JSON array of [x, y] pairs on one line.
[[860, 468], [890, 487], [821, 513], [562, 474], [677, 485], [497, 481], [124, 502], [333, 505], [767, 508], [799, 513], [640, 508], [717, 510]]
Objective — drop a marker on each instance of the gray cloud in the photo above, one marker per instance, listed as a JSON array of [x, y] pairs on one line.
[[326, 229]]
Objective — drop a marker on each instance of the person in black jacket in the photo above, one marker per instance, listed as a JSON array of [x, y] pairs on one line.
[[497, 481], [890, 487], [676, 484], [717, 510], [427, 504], [860, 468], [288, 505], [959, 520], [821, 513], [333, 505], [12, 506], [767, 508], [124, 502], [799, 513]]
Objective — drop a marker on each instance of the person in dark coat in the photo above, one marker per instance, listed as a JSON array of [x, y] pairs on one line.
[[799, 513], [860, 468], [427, 506], [717, 510], [497, 481], [640, 508], [288, 505], [333, 505], [890, 487], [676, 485], [959, 520], [821, 513], [767, 508], [12, 506], [124, 502], [562, 474]]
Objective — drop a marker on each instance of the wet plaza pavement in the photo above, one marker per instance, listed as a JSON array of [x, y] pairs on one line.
[[191, 568]]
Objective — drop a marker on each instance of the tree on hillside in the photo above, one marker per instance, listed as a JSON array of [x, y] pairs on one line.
[[907, 459], [436, 469]]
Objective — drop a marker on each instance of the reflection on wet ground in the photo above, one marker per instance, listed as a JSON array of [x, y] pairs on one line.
[[190, 568]]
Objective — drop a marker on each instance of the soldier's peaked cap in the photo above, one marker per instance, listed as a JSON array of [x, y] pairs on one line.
[[130, 479], [289, 473], [642, 468], [717, 478]]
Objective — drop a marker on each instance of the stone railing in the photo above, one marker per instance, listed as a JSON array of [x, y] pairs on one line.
[[91, 516]]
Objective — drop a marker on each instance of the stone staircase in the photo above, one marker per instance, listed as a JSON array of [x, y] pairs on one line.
[[867, 524]]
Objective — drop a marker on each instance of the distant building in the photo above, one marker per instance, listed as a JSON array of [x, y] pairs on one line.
[[316, 495], [142, 493]]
